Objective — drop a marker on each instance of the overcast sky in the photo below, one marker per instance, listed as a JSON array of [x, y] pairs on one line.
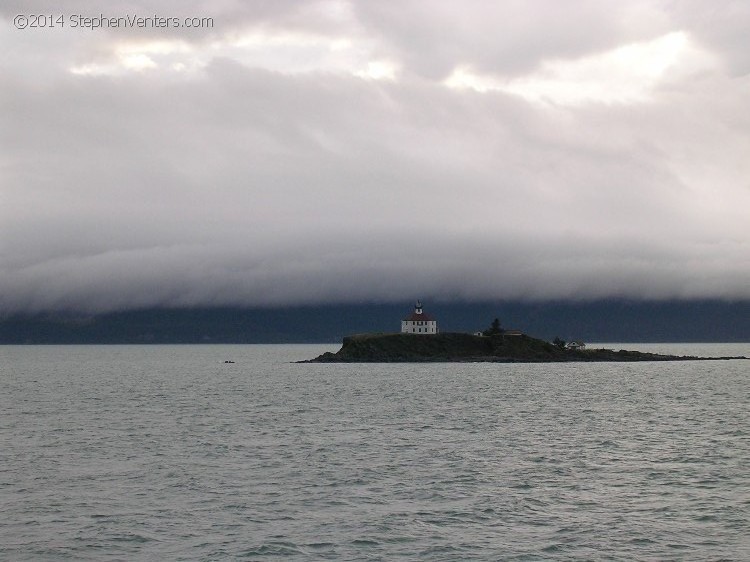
[[340, 151]]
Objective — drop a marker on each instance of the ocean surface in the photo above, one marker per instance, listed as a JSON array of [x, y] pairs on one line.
[[168, 453]]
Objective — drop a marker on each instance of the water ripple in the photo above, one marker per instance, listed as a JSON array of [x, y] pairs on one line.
[[114, 453]]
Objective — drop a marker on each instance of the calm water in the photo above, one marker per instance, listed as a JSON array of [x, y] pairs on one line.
[[165, 452]]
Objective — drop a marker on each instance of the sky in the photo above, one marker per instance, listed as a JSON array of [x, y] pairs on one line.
[[338, 151]]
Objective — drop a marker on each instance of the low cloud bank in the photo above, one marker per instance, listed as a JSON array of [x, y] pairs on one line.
[[345, 152]]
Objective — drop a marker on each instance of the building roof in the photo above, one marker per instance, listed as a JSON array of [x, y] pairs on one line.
[[414, 317]]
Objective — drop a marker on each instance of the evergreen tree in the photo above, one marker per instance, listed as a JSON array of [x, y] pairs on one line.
[[494, 328]]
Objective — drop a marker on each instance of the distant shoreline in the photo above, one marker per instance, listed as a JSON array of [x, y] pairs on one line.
[[605, 321]]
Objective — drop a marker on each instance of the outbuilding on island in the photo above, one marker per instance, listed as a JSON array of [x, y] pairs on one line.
[[419, 322]]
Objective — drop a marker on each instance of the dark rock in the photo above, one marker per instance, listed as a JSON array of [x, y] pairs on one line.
[[458, 347]]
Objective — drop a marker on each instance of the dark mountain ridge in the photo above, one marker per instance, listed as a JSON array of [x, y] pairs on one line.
[[613, 320]]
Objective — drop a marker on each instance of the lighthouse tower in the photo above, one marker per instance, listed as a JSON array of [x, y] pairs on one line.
[[419, 322]]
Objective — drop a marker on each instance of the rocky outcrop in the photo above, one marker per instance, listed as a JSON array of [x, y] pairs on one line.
[[457, 347]]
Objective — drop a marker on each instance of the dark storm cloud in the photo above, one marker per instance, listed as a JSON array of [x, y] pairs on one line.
[[271, 167]]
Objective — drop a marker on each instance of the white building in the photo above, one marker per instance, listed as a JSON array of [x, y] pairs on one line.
[[419, 322]]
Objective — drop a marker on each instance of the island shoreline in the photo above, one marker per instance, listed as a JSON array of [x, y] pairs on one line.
[[470, 348]]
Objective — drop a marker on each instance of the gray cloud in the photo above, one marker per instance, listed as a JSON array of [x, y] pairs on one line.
[[245, 181], [505, 37]]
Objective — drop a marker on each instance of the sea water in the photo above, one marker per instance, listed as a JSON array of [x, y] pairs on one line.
[[169, 453]]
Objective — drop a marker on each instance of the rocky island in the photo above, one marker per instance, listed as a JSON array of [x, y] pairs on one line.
[[459, 347]]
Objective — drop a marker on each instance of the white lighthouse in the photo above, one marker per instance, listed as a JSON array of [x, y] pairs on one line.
[[419, 322]]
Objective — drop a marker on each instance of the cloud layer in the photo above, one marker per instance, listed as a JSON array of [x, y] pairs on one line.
[[350, 151]]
